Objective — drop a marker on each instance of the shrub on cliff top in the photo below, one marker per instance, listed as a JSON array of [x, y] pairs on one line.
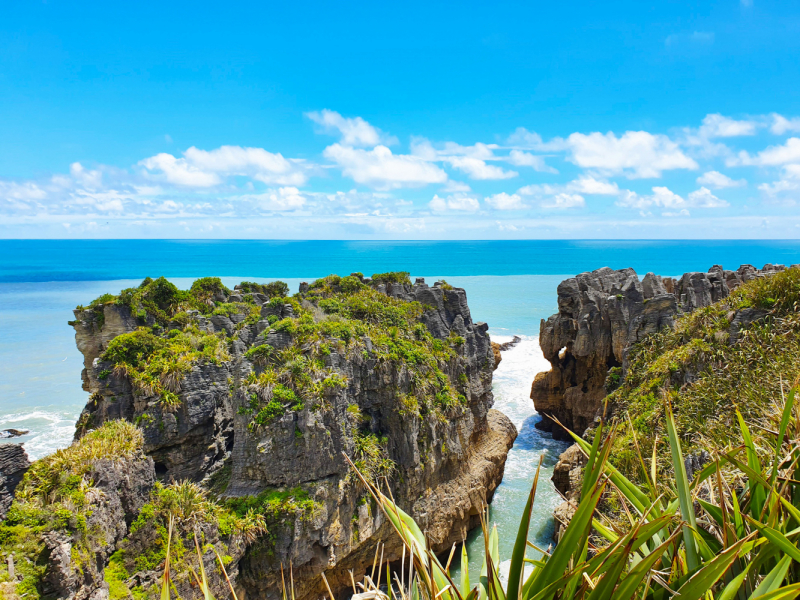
[[274, 289], [391, 277], [115, 440], [56, 495], [156, 365]]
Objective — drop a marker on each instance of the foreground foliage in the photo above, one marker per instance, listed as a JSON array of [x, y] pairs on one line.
[[704, 538]]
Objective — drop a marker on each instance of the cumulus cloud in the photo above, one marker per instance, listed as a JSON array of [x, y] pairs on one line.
[[636, 154], [179, 171], [519, 158], [703, 198], [663, 197], [585, 184], [717, 125], [354, 131], [476, 168], [772, 156], [522, 139], [503, 201], [719, 181], [457, 202], [207, 168], [468, 159], [381, 169], [781, 125]]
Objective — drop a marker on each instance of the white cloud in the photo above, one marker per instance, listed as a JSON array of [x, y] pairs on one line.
[[525, 159], [781, 124], [91, 179], [703, 198], [204, 168], [457, 202], [468, 159], [522, 139], [719, 181], [663, 197], [717, 125], [253, 162], [478, 169], [354, 131], [285, 198], [637, 154], [381, 169], [564, 200], [503, 201], [180, 172], [26, 191], [772, 156], [586, 184], [789, 182]]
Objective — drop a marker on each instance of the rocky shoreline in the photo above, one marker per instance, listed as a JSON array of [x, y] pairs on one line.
[[255, 398]]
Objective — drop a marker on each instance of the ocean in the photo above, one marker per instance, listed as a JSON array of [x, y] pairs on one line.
[[510, 285]]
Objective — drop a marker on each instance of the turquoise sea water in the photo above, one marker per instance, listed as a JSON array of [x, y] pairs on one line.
[[510, 285]]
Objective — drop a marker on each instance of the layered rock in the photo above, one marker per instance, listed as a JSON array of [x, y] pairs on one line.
[[13, 465], [601, 314], [75, 559], [446, 463]]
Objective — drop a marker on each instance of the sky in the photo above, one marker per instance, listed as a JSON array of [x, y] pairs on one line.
[[413, 120]]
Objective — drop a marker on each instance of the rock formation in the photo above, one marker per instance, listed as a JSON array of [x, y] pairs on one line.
[[600, 315], [210, 419], [13, 465]]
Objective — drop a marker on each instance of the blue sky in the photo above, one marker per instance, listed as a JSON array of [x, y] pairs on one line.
[[400, 121]]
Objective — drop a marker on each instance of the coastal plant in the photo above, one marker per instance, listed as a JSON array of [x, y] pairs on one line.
[[733, 531]]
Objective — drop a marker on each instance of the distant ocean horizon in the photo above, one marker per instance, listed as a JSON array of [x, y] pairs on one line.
[[104, 260], [511, 285]]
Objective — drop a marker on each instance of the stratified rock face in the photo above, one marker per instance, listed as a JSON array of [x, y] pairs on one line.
[[446, 468], [13, 465], [75, 561], [600, 315]]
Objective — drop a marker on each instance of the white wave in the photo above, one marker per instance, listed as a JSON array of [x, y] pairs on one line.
[[47, 431]]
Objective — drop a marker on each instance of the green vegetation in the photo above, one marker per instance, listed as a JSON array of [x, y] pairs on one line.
[[371, 458], [344, 313], [156, 365], [712, 538], [391, 277], [56, 494], [274, 289], [167, 526], [706, 378]]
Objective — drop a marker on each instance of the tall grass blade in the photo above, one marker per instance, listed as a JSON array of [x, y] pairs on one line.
[[684, 495], [518, 555]]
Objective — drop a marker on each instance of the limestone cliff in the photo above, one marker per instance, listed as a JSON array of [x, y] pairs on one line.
[[257, 396], [601, 314]]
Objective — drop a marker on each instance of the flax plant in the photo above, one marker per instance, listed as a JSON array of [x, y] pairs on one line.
[[733, 532]]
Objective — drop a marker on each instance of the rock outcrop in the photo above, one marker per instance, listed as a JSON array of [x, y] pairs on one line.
[[601, 314], [13, 465], [447, 453], [75, 558]]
